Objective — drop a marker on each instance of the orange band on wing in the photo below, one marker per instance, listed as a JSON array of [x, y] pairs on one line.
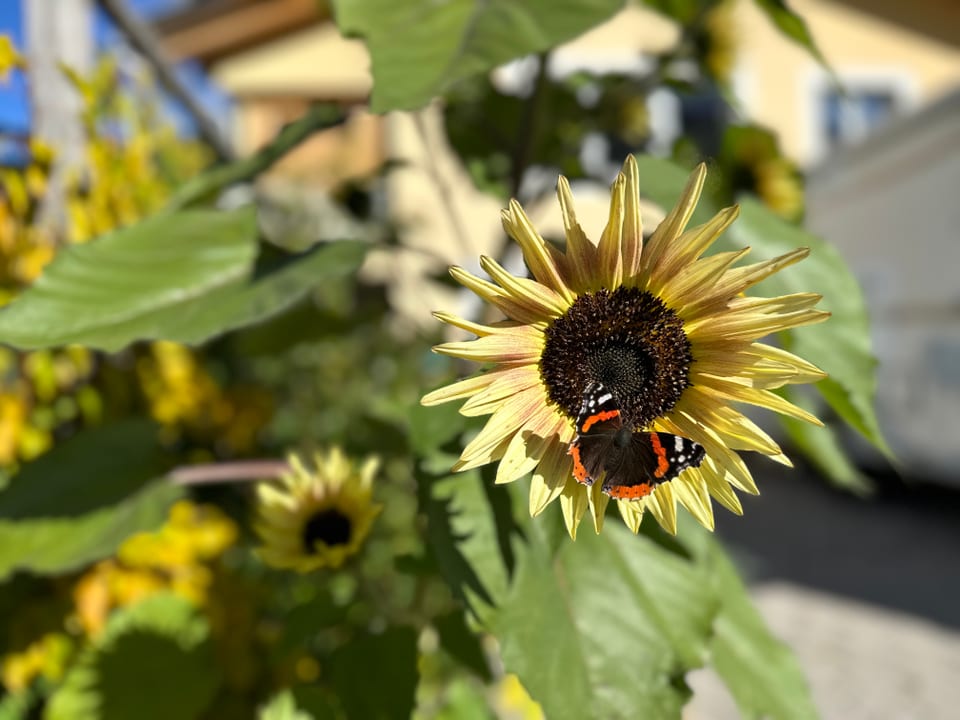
[[629, 492], [662, 463], [599, 417], [579, 471]]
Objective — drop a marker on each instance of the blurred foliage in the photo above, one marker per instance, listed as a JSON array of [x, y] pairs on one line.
[[181, 336]]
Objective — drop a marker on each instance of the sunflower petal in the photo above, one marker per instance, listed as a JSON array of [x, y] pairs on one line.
[[523, 289], [550, 477], [535, 251], [608, 249], [573, 503], [661, 244], [631, 249], [580, 254]]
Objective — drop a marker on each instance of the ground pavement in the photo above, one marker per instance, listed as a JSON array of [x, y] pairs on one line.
[[867, 593]]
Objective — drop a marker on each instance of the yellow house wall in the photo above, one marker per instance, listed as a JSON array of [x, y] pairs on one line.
[[775, 78]]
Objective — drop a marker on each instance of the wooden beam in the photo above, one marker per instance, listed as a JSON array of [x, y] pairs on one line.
[[216, 30]]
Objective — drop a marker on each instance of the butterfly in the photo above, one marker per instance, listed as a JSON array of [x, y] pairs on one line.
[[631, 462]]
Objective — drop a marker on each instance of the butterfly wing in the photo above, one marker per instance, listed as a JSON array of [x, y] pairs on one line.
[[652, 458]]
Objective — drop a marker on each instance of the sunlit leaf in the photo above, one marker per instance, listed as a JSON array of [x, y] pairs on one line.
[[441, 43], [77, 503], [283, 707], [97, 293], [603, 627]]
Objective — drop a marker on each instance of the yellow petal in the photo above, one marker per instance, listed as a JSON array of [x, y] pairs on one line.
[[518, 345], [632, 514], [573, 503], [520, 309], [661, 244], [580, 255], [535, 251], [598, 502], [525, 290], [662, 505], [691, 490], [508, 383], [521, 456], [550, 477], [458, 390], [608, 249], [632, 235], [690, 246]]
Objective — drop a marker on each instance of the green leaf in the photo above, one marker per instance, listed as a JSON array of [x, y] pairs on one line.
[[375, 676], [96, 294], [431, 427], [603, 627], [841, 346], [760, 671], [245, 302], [283, 707], [793, 26], [153, 660], [77, 503], [441, 43]]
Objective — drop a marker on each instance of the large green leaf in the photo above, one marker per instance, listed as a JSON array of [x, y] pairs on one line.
[[78, 502], [244, 302], [604, 627], [840, 346], [153, 660], [419, 48], [95, 294]]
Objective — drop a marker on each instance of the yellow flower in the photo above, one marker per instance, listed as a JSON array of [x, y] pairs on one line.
[[312, 519], [668, 334], [171, 559], [513, 702], [9, 57], [47, 657]]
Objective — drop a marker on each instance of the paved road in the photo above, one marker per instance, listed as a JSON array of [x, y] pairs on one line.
[[866, 592]]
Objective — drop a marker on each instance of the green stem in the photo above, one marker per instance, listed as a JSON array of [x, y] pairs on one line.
[[318, 117]]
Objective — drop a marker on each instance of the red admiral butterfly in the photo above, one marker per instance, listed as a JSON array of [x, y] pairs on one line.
[[634, 461]]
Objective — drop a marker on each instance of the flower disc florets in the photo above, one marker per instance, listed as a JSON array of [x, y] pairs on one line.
[[628, 340]]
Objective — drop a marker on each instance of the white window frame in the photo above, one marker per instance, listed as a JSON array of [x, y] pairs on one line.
[[895, 80]]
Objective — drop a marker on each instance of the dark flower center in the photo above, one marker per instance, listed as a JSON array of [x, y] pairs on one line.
[[627, 339], [331, 527]]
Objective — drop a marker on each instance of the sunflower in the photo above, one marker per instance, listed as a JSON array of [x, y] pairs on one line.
[[311, 519], [665, 330]]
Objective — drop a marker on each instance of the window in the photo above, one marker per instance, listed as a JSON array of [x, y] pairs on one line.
[[851, 117]]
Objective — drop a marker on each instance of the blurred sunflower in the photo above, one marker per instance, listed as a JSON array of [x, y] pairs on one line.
[[311, 519], [668, 335]]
